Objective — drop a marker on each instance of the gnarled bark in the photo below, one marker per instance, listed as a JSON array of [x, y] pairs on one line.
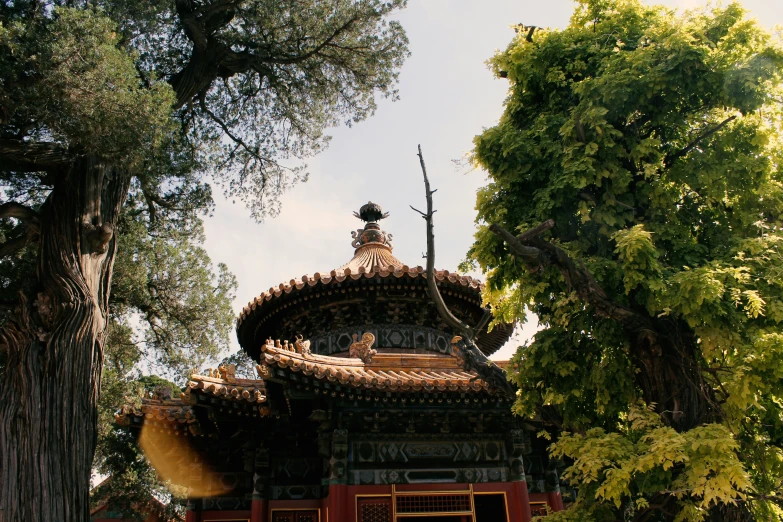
[[54, 343]]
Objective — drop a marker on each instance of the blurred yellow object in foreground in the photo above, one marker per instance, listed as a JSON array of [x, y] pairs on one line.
[[177, 462]]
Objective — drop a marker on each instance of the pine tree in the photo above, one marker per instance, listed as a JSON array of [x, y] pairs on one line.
[[157, 99]]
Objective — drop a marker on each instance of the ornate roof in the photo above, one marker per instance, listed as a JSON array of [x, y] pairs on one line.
[[347, 274], [227, 387], [169, 414], [311, 304], [177, 414], [363, 370], [392, 372]]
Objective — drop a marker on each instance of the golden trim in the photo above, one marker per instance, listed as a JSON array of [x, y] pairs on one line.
[[272, 511], [434, 493], [467, 492], [539, 503], [435, 514], [505, 500], [472, 505]]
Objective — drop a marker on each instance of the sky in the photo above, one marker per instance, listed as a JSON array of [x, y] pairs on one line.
[[447, 96]]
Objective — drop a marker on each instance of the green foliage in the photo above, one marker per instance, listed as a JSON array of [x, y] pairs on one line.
[[642, 458], [164, 279], [291, 69], [653, 139], [177, 96], [68, 81], [250, 87], [133, 482]]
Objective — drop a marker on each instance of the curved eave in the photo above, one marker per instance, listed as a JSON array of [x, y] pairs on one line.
[[172, 415], [341, 275], [251, 391], [178, 416], [464, 286]]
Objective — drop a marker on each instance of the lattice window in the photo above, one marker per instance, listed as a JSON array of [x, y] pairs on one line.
[[376, 512], [283, 517], [306, 517], [433, 503]]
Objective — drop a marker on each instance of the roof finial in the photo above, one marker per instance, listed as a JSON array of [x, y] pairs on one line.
[[371, 234], [371, 213]]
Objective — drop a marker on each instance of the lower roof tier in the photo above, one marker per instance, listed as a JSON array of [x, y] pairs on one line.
[[362, 376]]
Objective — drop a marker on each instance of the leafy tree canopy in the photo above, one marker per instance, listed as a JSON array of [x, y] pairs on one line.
[[249, 86], [652, 141], [116, 119]]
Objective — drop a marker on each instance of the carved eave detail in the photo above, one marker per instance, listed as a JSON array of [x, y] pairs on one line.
[[382, 372]]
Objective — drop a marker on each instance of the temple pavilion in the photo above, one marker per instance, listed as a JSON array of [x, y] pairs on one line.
[[361, 410]]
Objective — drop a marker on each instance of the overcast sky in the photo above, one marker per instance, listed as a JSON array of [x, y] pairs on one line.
[[447, 96]]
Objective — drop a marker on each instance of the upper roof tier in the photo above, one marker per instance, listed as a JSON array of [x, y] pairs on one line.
[[373, 292]]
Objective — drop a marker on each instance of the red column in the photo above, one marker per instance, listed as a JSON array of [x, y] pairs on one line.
[[338, 499], [520, 500], [555, 500], [258, 510], [191, 515]]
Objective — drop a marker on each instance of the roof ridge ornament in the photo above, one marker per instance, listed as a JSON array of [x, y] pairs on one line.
[[371, 234]]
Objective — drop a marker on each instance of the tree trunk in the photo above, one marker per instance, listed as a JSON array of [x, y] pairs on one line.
[[54, 342], [671, 375]]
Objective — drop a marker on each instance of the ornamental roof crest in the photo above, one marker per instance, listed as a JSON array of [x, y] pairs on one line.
[[371, 234]]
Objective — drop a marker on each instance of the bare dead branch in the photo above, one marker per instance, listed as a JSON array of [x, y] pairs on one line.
[[472, 358], [466, 331]]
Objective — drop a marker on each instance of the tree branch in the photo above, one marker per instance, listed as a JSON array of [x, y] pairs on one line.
[[537, 253], [30, 222], [14, 245], [24, 156], [463, 329], [194, 29], [235, 139], [315, 50], [670, 160], [16, 210], [472, 358]]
